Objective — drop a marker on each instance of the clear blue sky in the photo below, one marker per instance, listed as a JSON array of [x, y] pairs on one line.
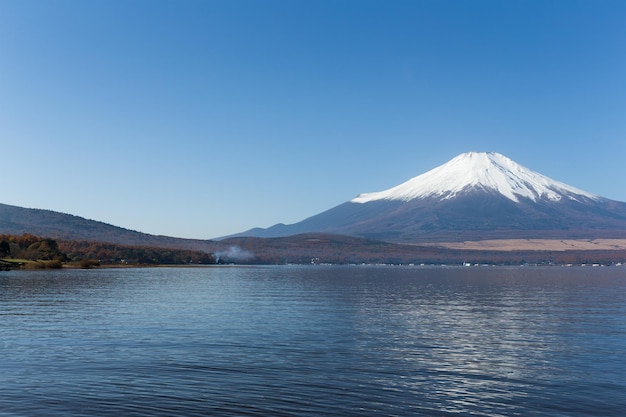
[[205, 118]]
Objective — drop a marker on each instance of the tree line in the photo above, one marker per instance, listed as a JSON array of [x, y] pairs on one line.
[[32, 251]]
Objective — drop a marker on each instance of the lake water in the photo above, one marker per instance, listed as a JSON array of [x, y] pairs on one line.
[[314, 341]]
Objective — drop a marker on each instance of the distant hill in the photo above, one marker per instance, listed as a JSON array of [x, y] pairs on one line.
[[18, 220], [475, 196], [318, 248], [74, 234]]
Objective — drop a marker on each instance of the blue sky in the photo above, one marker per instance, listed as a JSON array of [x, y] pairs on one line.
[[205, 118]]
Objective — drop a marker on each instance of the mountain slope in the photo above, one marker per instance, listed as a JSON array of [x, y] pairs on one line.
[[474, 196], [481, 172], [18, 220]]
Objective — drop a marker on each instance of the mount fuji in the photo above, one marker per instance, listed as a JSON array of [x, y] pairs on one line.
[[474, 196]]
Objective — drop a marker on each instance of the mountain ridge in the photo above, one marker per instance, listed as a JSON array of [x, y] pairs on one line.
[[474, 196], [41, 222], [472, 211]]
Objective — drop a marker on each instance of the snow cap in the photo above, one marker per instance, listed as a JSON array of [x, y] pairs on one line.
[[486, 171]]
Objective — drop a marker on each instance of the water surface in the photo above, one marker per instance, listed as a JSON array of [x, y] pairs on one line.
[[313, 341]]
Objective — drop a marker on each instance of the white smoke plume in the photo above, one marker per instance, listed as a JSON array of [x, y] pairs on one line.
[[233, 254]]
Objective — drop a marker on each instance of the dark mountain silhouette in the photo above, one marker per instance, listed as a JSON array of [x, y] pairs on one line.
[[18, 220]]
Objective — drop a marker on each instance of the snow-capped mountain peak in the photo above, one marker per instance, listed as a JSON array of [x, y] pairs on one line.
[[475, 196], [478, 171]]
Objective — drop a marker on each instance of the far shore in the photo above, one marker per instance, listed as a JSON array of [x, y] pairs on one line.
[[558, 245]]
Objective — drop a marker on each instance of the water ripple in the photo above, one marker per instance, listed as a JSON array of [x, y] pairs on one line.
[[311, 341]]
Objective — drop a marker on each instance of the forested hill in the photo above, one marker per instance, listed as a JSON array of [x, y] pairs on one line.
[[18, 221]]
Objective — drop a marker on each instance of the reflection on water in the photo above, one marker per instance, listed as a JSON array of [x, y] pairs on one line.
[[310, 341]]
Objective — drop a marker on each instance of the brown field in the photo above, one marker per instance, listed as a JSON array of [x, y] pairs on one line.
[[536, 244]]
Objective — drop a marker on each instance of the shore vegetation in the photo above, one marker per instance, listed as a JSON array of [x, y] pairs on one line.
[[28, 251]]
